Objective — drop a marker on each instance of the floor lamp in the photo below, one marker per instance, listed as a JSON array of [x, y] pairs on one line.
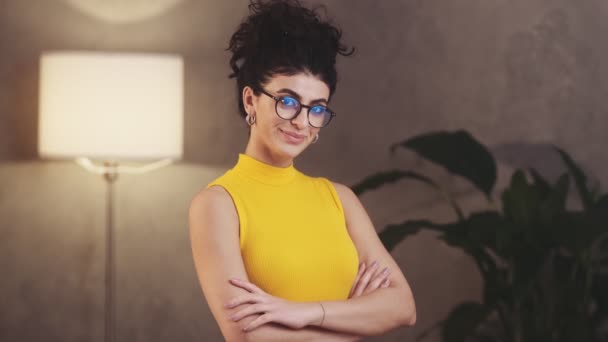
[[113, 113]]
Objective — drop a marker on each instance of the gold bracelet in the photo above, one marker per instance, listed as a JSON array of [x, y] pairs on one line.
[[323, 319]]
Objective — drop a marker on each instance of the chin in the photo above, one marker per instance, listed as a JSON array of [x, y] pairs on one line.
[[290, 150]]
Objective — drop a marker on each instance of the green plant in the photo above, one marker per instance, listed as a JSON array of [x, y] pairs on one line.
[[544, 266]]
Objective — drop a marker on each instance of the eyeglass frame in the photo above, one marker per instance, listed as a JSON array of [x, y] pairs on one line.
[[308, 107]]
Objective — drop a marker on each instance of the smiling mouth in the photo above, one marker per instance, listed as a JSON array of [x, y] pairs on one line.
[[293, 137]]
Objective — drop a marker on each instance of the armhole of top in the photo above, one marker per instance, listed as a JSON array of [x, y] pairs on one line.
[[240, 211], [335, 196]]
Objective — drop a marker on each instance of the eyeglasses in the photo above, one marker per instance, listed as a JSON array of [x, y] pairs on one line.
[[288, 108]]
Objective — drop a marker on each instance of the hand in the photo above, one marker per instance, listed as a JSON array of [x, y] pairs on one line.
[[368, 281], [273, 309]]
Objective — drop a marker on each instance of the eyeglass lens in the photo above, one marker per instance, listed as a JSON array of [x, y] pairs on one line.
[[288, 108]]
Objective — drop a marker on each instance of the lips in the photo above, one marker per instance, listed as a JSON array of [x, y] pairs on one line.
[[292, 137]]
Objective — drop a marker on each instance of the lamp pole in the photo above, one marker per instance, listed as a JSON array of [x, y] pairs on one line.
[[110, 175]]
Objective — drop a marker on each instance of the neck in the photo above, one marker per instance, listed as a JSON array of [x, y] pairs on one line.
[[265, 155]]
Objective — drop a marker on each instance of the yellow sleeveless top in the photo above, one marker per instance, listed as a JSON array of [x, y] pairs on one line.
[[293, 237]]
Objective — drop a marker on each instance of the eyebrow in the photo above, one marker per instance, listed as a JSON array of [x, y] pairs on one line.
[[299, 98]]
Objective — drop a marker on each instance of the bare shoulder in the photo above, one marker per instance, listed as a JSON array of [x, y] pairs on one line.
[[348, 198], [214, 197], [213, 204], [341, 187]]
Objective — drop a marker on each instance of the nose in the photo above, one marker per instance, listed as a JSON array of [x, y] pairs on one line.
[[301, 120]]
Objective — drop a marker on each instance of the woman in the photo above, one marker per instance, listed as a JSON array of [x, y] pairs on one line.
[[276, 251]]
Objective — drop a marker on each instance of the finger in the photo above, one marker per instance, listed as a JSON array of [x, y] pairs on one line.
[[242, 299], [374, 284], [380, 276], [386, 283], [377, 281], [266, 318], [246, 285], [249, 310], [361, 269], [365, 279]]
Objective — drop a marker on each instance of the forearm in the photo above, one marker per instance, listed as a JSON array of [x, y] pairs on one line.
[[274, 332], [371, 314]]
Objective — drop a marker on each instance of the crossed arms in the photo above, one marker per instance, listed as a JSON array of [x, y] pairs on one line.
[[370, 310]]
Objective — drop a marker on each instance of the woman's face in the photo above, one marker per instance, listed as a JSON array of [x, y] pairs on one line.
[[284, 139]]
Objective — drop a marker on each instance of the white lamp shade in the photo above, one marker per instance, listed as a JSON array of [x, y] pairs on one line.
[[110, 106]]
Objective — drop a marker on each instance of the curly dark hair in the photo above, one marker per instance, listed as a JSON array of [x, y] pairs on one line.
[[283, 37]]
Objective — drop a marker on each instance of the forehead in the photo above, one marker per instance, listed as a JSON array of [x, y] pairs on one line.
[[308, 86]]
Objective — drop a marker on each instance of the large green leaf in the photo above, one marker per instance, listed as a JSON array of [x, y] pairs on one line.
[[459, 153], [578, 231], [602, 202], [459, 235], [393, 234], [554, 203], [577, 328], [379, 179], [488, 230], [525, 270], [482, 227], [543, 185], [382, 178], [497, 290], [600, 209], [599, 215], [600, 285], [567, 230], [579, 178], [521, 201]]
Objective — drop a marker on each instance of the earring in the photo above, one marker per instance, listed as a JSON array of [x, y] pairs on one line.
[[315, 139], [250, 119]]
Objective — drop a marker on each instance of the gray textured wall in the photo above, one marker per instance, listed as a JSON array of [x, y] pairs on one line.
[[518, 74]]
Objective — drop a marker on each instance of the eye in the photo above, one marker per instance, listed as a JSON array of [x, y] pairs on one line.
[[287, 101], [318, 110]]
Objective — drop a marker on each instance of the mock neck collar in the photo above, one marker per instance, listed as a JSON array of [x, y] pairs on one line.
[[265, 173]]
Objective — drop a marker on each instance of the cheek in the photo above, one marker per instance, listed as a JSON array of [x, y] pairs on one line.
[[266, 119], [271, 127], [274, 124]]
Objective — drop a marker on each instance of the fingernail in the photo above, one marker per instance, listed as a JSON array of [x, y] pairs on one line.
[[375, 263], [385, 271]]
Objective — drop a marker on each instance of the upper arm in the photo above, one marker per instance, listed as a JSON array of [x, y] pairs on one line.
[[214, 237], [364, 236]]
